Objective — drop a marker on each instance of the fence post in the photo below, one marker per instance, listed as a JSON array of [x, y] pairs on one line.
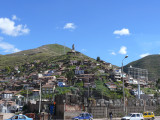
[[43, 116], [144, 109], [106, 112], [48, 116]]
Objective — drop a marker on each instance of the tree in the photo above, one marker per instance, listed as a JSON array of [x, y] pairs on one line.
[[158, 83], [8, 69], [70, 76], [98, 59]]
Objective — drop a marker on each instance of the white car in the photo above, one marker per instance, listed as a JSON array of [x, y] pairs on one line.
[[133, 116]]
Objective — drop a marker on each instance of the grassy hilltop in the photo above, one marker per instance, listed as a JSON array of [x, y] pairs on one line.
[[41, 53], [151, 63]]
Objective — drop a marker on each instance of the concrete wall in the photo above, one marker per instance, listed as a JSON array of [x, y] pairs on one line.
[[119, 112], [98, 111], [71, 114]]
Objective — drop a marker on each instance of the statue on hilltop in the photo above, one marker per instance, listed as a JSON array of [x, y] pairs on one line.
[[73, 48]]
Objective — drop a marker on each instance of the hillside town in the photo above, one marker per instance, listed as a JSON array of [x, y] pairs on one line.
[[66, 87]]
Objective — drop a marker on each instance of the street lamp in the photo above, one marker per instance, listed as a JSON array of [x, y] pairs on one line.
[[40, 97], [40, 92], [123, 85]]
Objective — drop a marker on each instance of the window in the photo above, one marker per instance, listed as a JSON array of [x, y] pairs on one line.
[[15, 117], [138, 115], [87, 115], [82, 115], [133, 115], [149, 113], [145, 113], [21, 117], [43, 91]]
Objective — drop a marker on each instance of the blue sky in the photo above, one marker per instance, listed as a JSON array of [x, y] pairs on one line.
[[109, 29]]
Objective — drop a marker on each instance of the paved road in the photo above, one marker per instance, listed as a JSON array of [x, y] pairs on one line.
[[8, 115], [156, 118]]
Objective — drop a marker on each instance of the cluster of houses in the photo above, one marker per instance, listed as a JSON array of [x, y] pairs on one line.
[[17, 91]]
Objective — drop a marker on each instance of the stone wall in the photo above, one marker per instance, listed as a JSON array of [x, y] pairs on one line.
[[102, 107], [98, 111], [71, 114]]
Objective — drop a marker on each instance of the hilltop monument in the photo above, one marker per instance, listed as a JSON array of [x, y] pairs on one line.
[[73, 48], [73, 52]]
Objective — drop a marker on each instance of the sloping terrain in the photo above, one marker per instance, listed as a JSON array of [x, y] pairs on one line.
[[41, 53], [151, 63]]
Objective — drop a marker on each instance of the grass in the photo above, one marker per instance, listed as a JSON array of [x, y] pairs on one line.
[[148, 90]]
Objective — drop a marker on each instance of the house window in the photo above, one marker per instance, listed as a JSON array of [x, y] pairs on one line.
[[47, 90], [43, 90]]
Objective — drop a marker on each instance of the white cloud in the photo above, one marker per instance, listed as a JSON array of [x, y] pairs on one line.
[[70, 26], [8, 48], [144, 55], [123, 31], [14, 17], [123, 50], [8, 27], [83, 50], [113, 53]]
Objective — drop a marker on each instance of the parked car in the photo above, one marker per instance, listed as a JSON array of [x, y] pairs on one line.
[[133, 116], [19, 117], [148, 115], [86, 116]]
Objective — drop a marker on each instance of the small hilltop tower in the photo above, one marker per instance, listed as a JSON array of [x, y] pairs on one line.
[[73, 52]]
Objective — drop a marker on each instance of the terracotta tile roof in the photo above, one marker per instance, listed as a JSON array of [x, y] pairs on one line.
[[47, 86], [8, 91], [35, 90]]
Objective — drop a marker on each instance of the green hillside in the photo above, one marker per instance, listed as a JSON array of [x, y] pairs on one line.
[[151, 63], [52, 57], [41, 53]]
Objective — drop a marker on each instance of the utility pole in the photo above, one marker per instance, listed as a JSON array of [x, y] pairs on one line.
[[27, 95], [139, 90], [123, 87], [53, 93], [40, 98]]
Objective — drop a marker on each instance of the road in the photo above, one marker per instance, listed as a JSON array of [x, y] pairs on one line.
[[156, 118], [8, 115]]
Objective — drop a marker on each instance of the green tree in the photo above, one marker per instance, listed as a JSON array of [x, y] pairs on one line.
[[98, 59], [158, 83], [8, 69], [70, 76]]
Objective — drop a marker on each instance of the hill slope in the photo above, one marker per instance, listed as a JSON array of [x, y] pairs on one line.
[[151, 63], [40, 53]]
